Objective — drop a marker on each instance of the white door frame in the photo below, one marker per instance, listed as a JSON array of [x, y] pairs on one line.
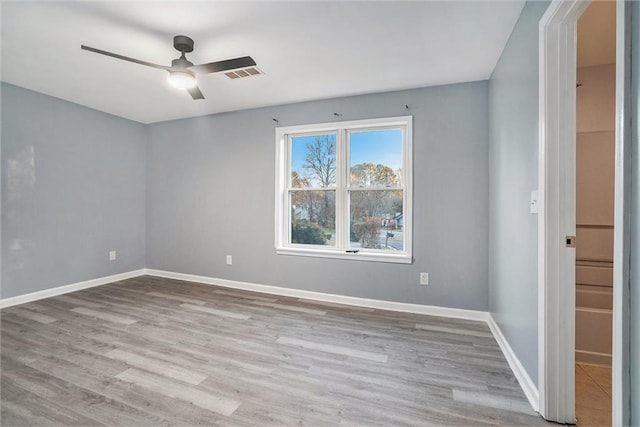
[[556, 210], [556, 218], [621, 367]]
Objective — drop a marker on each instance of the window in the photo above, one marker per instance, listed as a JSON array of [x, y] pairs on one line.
[[343, 190]]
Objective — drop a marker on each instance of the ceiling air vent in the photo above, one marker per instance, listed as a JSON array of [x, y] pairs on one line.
[[245, 72]]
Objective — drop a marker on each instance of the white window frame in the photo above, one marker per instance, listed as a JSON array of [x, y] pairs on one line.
[[342, 189]]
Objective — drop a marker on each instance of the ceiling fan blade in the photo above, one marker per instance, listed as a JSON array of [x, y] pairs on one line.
[[195, 93], [229, 64], [125, 58]]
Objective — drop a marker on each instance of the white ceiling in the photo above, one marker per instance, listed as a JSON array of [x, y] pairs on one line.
[[308, 50]]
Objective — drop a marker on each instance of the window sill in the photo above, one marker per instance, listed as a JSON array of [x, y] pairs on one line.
[[359, 256]]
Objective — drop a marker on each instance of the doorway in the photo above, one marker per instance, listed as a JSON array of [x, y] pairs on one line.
[[557, 215], [595, 187]]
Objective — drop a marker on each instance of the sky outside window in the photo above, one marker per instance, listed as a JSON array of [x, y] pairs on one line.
[[376, 147]]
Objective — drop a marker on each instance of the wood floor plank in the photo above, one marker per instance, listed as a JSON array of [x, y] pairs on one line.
[[492, 401], [246, 295], [217, 312], [156, 405], [104, 316], [79, 356], [330, 348], [157, 366], [35, 307], [32, 315], [75, 301], [176, 298], [334, 305], [153, 351], [291, 308], [450, 330], [25, 408], [89, 404], [218, 404]]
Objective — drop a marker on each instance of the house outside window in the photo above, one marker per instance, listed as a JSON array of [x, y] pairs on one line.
[[344, 190]]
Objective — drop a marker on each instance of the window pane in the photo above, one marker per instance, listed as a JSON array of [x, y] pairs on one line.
[[313, 217], [377, 220], [376, 158], [313, 161]]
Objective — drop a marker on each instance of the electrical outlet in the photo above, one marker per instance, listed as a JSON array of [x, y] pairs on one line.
[[112, 255], [229, 260], [424, 278]]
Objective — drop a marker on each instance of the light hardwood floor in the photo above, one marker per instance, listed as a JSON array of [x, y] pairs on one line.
[[593, 395], [151, 351]]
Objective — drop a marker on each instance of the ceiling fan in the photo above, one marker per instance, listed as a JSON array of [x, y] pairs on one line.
[[182, 72]]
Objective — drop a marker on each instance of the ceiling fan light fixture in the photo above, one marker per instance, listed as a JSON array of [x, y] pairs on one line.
[[183, 79]]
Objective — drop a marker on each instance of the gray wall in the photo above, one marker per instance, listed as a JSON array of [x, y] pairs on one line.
[[635, 221], [513, 165], [210, 192], [73, 188]]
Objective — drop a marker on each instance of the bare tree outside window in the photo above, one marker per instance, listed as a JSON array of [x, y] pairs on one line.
[[320, 166], [320, 161]]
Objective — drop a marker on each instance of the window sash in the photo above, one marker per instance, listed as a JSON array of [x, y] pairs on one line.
[[289, 148], [290, 225], [380, 231]]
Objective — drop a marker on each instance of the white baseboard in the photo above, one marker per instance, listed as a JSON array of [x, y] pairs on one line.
[[34, 296], [528, 386], [320, 296]]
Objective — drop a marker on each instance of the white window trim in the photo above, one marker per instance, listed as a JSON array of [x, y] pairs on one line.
[[340, 128]]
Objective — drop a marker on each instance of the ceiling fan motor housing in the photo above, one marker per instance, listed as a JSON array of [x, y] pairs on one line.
[[181, 64], [183, 44]]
